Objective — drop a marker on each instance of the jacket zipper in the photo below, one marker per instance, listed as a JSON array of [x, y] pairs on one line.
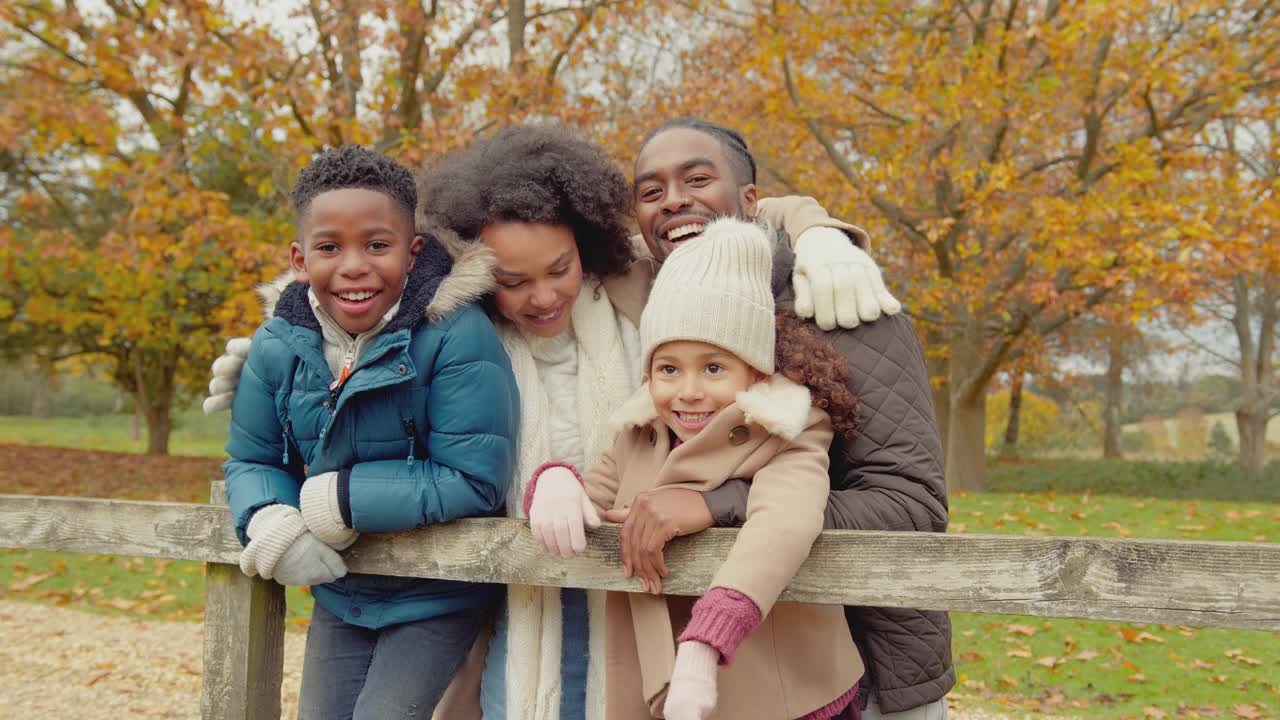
[[410, 429], [284, 435]]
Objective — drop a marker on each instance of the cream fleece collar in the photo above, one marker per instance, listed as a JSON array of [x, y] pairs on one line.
[[777, 404]]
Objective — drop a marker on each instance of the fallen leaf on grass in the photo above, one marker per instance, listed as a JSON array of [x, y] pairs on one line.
[[1139, 637], [1086, 655], [1218, 678], [1249, 712], [1237, 655], [1121, 530], [26, 583], [1201, 664], [1008, 681], [1016, 629], [1137, 678], [1021, 652], [1154, 712], [1050, 662]]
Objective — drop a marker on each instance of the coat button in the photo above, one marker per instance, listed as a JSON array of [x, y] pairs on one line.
[[325, 404], [653, 436], [355, 612], [739, 435], [402, 369]]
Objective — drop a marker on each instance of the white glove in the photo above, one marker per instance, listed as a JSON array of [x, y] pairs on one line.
[[692, 694], [226, 375], [837, 282], [559, 511], [320, 511], [282, 549]]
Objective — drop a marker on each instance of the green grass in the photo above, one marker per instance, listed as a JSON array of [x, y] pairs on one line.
[[193, 433], [137, 587], [1106, 669]]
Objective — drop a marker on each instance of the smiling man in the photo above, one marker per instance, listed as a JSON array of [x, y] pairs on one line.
[[888, 477]]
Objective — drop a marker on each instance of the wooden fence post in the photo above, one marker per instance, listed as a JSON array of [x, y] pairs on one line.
[[243, 642]]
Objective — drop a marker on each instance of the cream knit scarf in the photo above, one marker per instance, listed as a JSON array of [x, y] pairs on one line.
[[608, 352]]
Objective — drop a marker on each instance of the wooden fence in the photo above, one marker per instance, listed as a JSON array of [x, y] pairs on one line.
[[1215, 584]]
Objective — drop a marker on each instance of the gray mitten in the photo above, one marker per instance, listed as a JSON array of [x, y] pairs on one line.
[[320, 511], [281, 548], [309, 562]]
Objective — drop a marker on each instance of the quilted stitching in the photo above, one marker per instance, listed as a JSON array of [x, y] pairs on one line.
[[890, 477]]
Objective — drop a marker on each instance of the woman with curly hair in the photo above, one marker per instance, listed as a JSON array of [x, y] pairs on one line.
[[553, 210], [732, 391]]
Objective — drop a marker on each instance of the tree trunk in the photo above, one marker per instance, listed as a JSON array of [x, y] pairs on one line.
[[516, 21], [1010, 447], [1111, 447], [1256, 371], [966, 446], [1251, 424], [967, 414], [153, 374], [41, 390], [159, 425], [938, 386]]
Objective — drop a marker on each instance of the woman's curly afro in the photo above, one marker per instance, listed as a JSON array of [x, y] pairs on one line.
[[534, 174]]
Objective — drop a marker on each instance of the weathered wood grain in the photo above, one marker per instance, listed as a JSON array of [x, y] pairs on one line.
[[1223, 584], [243, 646], [243, 643]]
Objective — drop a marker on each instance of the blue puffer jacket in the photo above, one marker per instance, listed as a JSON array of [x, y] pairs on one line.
[[422, 432]]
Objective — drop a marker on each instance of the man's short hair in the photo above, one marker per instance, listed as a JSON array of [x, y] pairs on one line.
[[735, 146], [352, 166]]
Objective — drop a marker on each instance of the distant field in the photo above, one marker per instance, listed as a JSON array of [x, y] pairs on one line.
[[1228, 421], [193, 432]]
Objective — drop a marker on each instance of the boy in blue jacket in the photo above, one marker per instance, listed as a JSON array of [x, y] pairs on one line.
[[376, 398]]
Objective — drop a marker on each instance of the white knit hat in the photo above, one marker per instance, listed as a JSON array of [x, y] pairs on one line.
[[715, 289]]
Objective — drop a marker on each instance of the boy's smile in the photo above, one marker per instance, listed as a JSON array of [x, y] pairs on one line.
[[355, 248]]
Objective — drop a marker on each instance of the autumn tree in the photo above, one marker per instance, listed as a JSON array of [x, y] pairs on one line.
[[114, 247], [1014, 158], [1242, 266]]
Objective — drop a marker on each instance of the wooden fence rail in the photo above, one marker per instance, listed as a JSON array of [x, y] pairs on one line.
[[1217, 584]]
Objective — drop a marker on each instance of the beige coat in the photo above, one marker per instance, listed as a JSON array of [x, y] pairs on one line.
[[801, 657]]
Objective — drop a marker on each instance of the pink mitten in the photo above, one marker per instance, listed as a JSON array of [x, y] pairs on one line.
[[559, 510], [692, 695]]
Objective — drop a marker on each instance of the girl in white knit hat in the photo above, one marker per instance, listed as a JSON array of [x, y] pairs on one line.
[[732, 391]]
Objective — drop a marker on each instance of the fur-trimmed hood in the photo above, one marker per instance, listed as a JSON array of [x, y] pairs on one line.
[[448, 273], [777, 404]]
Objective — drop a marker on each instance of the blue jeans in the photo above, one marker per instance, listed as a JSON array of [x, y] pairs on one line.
[[574, 651], [399, 671]]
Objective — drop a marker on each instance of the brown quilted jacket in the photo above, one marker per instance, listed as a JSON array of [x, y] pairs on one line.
[[887, 478]]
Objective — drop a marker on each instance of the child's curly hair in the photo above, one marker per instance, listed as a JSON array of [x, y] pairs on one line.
[[805, 357], [353, 166], [534, 174]]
